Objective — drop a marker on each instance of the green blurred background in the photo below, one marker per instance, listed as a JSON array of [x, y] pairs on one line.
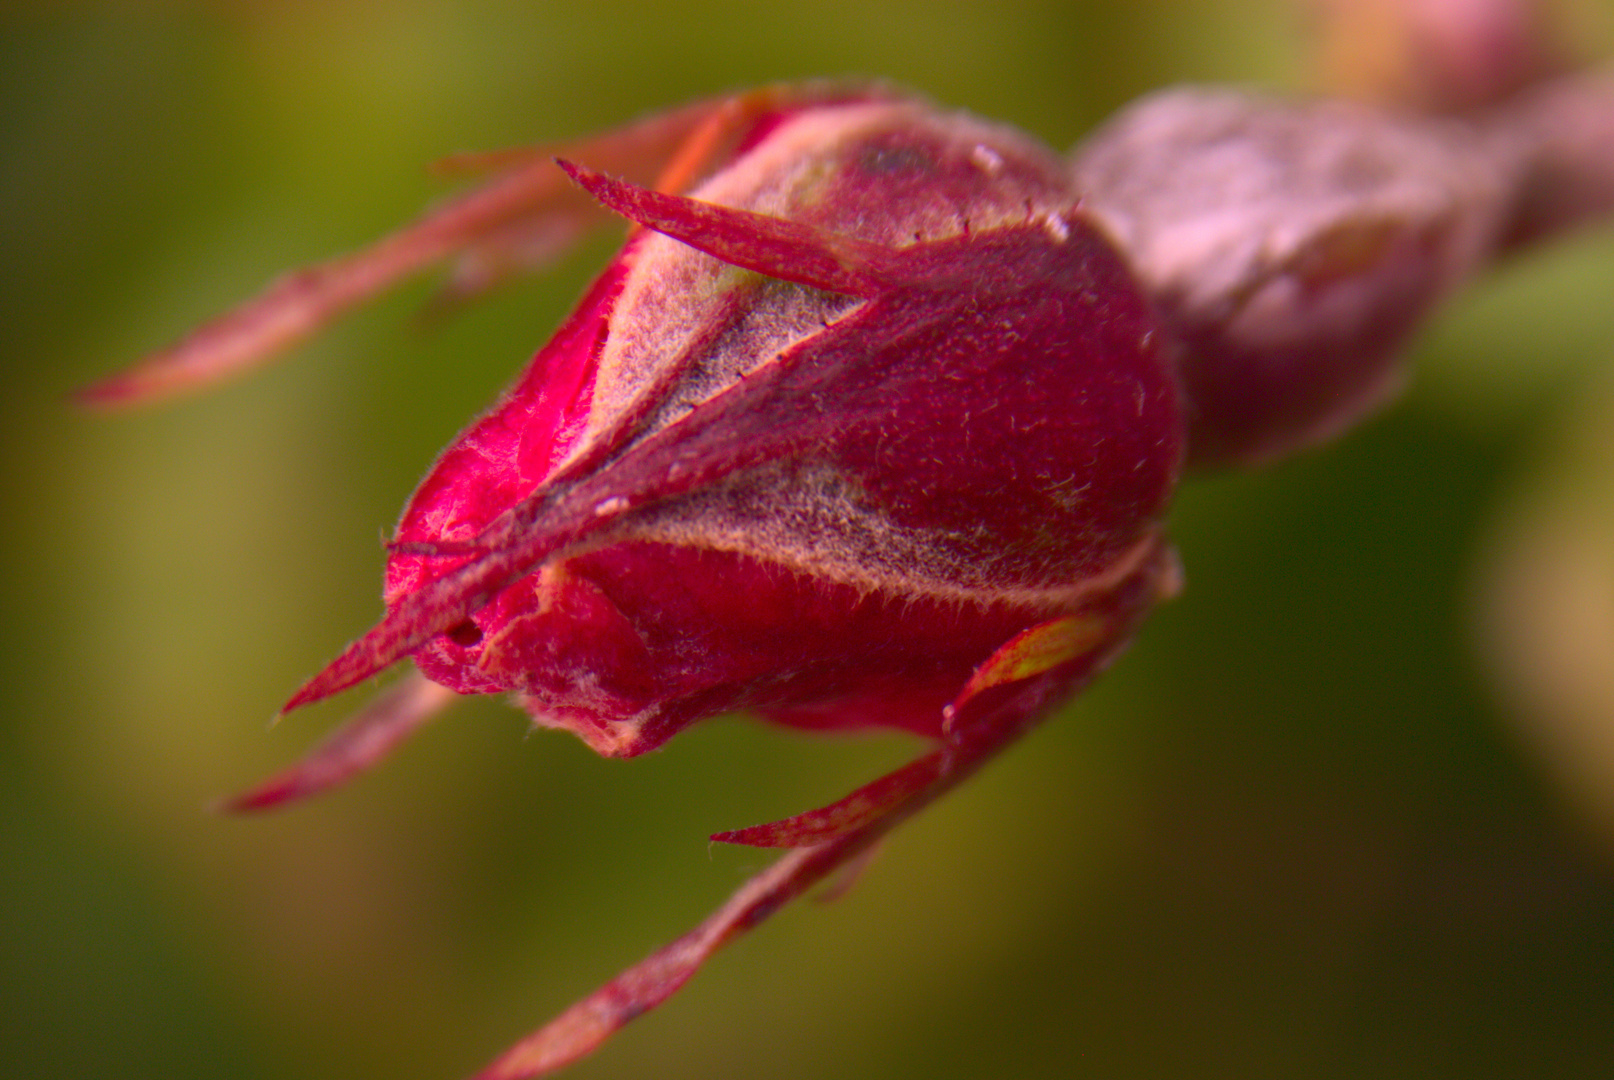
[[1310, 827]]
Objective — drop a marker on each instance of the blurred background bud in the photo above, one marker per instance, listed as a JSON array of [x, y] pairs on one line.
[[1450, 55]]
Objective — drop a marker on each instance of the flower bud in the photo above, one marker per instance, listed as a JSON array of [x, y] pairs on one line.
[[1294, 247], [871, 402]]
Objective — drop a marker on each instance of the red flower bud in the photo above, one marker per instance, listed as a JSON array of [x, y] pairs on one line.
[[878, 400], [873, 428]]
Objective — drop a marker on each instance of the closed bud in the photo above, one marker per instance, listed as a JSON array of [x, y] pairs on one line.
[[872, 400], [1293, 248]]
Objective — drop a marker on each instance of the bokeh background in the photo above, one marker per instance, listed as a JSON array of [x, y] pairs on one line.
[[1344, 811]]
